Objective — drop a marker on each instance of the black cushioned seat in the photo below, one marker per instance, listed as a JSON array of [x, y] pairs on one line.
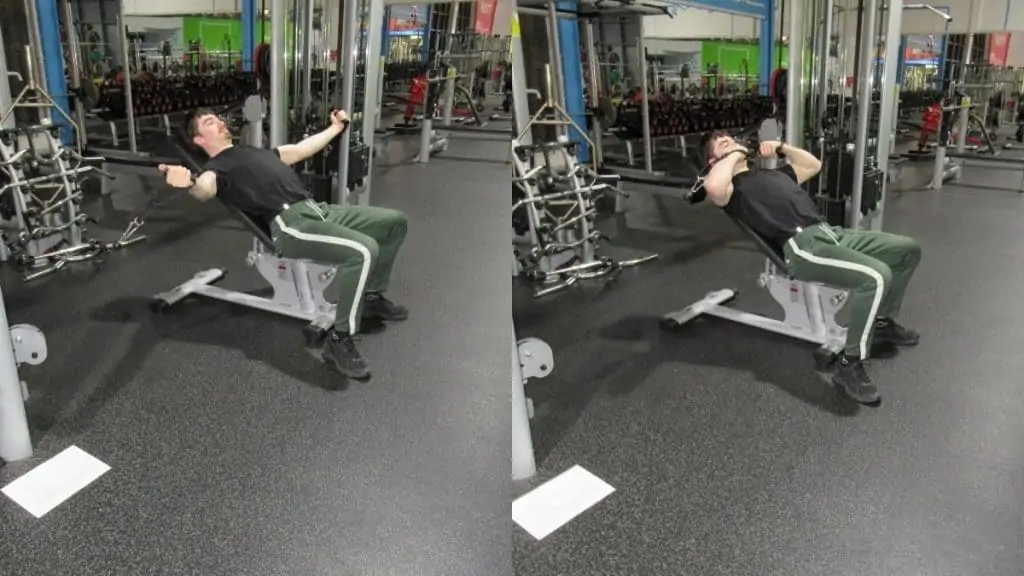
[[194, 159]]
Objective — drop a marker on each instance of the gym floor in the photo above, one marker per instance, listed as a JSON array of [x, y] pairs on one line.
[[230, 451], [730, 455]]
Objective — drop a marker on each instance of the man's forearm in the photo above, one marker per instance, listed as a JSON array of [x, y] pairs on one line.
[[317, 142], [800, 157], [720, 176]]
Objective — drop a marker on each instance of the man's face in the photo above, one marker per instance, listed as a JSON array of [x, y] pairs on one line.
[[211, 130], [720, 147]]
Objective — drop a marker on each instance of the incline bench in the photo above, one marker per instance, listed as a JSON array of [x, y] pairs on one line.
[[298, 284], [809, 309]]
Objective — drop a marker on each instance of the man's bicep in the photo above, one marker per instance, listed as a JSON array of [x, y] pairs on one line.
[[207, 184], [722, 198], [287, 153], [788, 170]]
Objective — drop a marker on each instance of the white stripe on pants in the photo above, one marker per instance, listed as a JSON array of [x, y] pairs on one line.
[[364, 274], [843, 264]]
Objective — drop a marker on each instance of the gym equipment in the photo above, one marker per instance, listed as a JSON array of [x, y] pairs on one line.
[[809, 309], [554, 239], [670, 117], [20, 344], [154, 96], [43, 186], [298, 284], [531, 358]]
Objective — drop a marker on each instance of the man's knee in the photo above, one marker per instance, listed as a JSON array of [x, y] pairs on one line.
[[910, 248], [880, 279], [913, 251], [397, 221], [361, 252]]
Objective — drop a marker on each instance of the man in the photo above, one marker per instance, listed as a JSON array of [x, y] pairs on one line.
[[362, 240], [874, 266]]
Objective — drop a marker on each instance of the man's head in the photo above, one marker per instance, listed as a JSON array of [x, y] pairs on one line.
[[207, 131], [715, 145]]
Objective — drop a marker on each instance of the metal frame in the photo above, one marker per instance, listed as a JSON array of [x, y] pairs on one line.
[[128, 97], [531, 358], [278, 75], [298, 288], [809, 310], [19, 344]]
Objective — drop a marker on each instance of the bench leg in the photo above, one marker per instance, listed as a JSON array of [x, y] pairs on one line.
[[809, 312]]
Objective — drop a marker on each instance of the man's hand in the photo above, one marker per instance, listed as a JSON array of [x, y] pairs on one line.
[[737, 147], [177, 176], [769, 148], [339, 119]]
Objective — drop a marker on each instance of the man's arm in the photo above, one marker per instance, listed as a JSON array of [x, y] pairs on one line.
[[804, 164], [295, 153], [718, 183], [205, 187]]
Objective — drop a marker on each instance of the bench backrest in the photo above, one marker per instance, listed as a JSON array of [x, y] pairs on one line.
[[770, 249], [194, 158]]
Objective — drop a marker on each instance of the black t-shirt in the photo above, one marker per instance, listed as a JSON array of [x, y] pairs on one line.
[[772, 203], [256, 181]]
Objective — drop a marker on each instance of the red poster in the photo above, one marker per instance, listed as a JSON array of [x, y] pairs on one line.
[[485, 16], [998, 48]]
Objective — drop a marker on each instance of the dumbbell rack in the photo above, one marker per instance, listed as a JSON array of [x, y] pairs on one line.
[[43, 179], [560, 245]]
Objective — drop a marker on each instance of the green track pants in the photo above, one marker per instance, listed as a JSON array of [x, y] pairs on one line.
[[874, 266], [362, 240]]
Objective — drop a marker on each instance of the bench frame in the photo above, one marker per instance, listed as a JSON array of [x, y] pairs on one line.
[[298, 284], [809, 309]]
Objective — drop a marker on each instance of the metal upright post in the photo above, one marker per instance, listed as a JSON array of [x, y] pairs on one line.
[[866, 43], [524, 464], [74, 69], [554, 40], [965, 113], [766, 42], [15, 439], [890, 99], [372, 91], [645, 107], [825, 68], [307, 55], [249, 40], [122, 28], [520, 97], [6, 100], [449, 85], [278, 73], [347, 55], [794, 78], [592, 88]]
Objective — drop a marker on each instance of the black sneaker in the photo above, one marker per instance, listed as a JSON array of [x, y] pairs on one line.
[[340, 351], [851, 376], [376, 306], [889, 332]]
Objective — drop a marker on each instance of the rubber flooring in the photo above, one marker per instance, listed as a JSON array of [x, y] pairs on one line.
[[730, 455], [230, 453]]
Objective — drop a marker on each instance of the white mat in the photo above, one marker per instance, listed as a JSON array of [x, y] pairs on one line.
[[554, 503], [51, 483]]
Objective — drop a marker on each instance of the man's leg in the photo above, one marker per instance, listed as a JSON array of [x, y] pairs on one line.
[[902, 254], [306, 234], [818, 257], [388, 227]]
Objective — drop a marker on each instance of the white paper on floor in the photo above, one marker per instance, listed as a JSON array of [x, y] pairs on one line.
[[554, 503], [51, 483]]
